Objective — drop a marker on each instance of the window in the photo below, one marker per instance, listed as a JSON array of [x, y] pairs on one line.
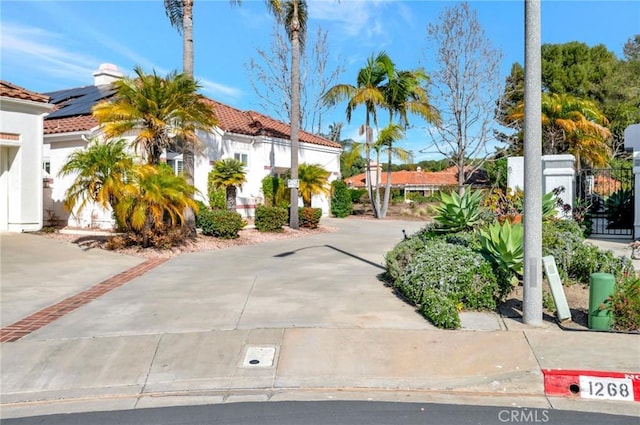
[[46, 166], [176, 165], [242, 157]]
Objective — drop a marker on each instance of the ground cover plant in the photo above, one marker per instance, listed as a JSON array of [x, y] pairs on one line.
[[471, 257]]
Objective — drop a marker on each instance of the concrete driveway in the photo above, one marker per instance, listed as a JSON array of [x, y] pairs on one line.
[[36, 272], [326, 280]]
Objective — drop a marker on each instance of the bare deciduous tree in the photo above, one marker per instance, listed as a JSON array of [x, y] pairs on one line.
[[269, 76], [465, 87]]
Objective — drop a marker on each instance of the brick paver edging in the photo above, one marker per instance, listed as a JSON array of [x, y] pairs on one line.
[[41, 318]]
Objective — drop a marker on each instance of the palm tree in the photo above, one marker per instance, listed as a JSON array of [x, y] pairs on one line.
[[367, 92], [159, 109], [590, 148], [384, 144], [335, 131], [404, 94], [293, 15], [180, 14], [103, 174], [157, 202], [572, 125], [229, 173], [313, 180]]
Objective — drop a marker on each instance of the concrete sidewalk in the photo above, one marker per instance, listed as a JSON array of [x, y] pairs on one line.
[[312, 311]]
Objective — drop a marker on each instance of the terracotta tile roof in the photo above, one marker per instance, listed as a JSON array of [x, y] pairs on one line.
[[69, 124], [253, 123], [605, 185], [410, 178], [230, 119], [8, 89]]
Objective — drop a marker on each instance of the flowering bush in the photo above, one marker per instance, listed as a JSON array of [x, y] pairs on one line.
[[625, 304]]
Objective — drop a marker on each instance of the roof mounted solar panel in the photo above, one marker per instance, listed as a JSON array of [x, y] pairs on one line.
[[78, 101]]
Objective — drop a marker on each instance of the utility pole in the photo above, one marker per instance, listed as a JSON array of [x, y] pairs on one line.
[[532, 306]]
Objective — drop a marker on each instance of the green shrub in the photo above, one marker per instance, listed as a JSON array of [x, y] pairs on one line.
[[309, 217], [217, 195], [575, 259], [202, 208], [497, 171], [568, 226], [422, 199], [458, 212], [397, 259], [218, 198], [356, 195], [401, 255], [270, 219], [341, 203], [268, 190], [464, 276], [464, 238], [275, 191], [587, 259], [561, 242], [440, 310], [221, 223], [625, 304], [503, 243]]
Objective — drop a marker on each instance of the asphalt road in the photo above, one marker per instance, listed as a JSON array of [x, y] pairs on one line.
[[329, 413]]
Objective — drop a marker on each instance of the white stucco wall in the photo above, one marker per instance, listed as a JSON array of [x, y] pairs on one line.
[[262, 154], [57, 149], [632, 143], [21, 164]]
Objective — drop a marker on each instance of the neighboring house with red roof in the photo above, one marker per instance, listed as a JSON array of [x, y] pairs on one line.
[[21, 133], [259, 141], [424, 182]]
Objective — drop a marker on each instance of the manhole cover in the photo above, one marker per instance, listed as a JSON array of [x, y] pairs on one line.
[[259, 357]]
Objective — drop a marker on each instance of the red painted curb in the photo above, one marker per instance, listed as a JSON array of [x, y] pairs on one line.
[[589, 384]]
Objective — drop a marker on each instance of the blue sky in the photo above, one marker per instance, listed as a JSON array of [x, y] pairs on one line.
[[51, 45]]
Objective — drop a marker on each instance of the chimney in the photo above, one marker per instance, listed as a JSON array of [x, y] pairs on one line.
[[419, 169], [106, 73]]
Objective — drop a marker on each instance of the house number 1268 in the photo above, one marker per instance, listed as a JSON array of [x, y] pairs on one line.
[[606, 388]]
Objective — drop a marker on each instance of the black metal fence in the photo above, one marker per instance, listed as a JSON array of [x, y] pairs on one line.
[[607, 197]]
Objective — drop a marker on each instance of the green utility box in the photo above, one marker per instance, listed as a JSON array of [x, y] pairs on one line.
[[601, 286]]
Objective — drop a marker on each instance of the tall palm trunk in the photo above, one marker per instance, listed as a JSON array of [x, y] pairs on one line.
[[231, 198], [387, 186], [368, 179], [295, 111], [188, 162], [378, 179]]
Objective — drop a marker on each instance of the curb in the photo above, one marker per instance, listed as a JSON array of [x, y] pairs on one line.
[[588, 384]]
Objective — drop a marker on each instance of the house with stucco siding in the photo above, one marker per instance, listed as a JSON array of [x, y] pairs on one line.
[[259, 141], [21, 177]]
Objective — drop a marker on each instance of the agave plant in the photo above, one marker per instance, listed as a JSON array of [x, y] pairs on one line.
[[458, 212], [619, 209], [504, 244]]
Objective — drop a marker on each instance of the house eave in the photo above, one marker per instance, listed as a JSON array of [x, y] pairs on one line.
[[22, 105], [67, 137]]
